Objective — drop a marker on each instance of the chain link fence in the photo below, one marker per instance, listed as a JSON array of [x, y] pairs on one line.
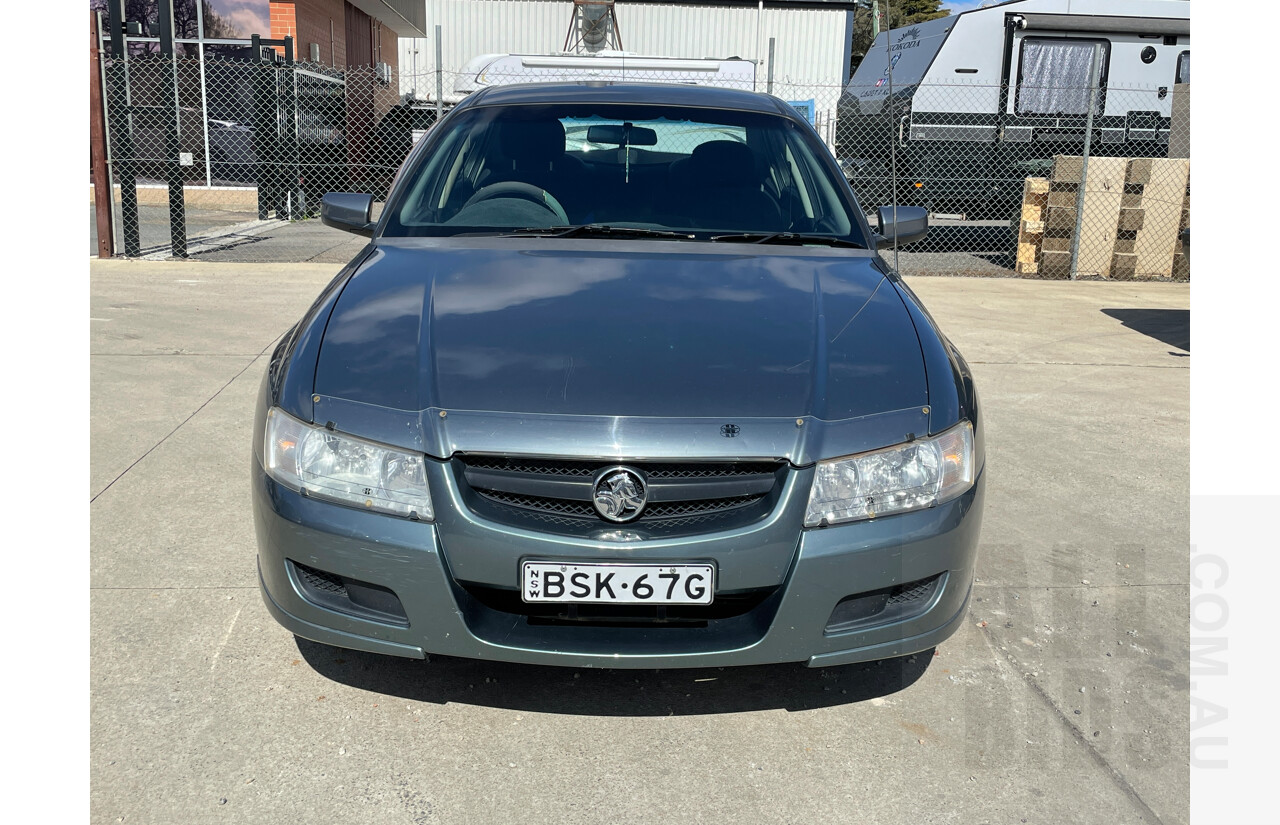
[[285, 135], [1037, 192], [1018, 194]]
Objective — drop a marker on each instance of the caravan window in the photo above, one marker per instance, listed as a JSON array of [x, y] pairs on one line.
[[1053, 75], [1184, 68]]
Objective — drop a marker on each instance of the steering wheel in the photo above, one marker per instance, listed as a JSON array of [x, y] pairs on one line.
[[526, 191]]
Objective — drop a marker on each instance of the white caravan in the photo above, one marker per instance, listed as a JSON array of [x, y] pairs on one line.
[[975, 102]]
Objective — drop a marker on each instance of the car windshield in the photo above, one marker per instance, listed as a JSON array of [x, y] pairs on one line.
[[701, 172]]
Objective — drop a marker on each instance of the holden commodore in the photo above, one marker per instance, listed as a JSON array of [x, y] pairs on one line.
[[646, 398]]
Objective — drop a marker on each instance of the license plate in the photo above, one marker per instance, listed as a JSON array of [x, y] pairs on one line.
[[595, 583]]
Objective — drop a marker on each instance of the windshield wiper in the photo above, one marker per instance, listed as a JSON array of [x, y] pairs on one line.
[[790, 238], [599, 229]]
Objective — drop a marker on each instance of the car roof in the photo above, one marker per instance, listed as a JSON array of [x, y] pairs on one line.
[[671, 94]]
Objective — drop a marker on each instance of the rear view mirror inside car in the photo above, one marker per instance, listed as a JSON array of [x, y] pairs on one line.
[[621, 133]]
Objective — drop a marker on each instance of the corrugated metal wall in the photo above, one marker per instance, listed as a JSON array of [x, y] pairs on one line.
[[811, 50]]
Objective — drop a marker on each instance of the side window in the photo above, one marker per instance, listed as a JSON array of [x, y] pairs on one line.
[[1184, 68], [1053, 75], [419, 207]]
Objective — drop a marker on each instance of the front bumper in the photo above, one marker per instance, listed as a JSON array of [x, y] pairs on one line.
[[444, 615]]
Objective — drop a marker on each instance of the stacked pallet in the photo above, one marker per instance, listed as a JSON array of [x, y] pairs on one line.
[[1181, 262], [1147, 247], [1035, 197], [1102, 204], [1129, 223]]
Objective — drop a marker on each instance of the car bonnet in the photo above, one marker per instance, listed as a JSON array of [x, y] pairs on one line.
[[439, 336]]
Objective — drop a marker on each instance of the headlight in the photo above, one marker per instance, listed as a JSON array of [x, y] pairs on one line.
[[327, 465], [909, 476]]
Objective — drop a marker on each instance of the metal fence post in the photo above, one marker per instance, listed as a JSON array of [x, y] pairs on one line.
[[264, 127], [755, 80], [773, 41], [172, 145], [121, 134], [204, 106], [1094, 69], [292, 165], [439, 76]]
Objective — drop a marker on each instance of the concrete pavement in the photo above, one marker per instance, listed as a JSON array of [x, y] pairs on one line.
[[1062, 699], [230, 236]]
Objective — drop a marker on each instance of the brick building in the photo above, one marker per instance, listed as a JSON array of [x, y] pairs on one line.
[[341, 34], [358, 38]]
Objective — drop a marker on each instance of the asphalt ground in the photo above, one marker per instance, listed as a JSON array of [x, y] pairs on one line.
[[1062, 699]]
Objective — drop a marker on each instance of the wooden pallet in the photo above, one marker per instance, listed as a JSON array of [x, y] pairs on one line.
[[1035, 198], [1147, 245], [1133, 210], [1102, 204]]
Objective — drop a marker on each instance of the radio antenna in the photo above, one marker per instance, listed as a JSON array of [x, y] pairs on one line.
[[893, 138]]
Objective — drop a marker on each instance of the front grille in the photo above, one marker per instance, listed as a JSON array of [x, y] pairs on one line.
[[682, 496], [532, 466], [662, 511], [570, 468], [678, 509], [540, 504], [705, 522]]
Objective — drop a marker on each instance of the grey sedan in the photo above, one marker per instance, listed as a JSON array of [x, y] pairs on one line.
[[649, 398]]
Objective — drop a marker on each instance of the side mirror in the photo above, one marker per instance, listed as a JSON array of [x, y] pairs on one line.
[[348, 211], [911, 226]]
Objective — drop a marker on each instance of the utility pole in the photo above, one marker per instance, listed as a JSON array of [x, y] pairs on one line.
[[102, 195]]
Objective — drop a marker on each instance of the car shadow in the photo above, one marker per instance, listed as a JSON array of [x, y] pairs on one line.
[[1169, 326], [603, 692]]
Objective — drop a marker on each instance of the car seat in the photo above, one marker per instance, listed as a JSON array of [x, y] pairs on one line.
[[721, 181], [532, 152]]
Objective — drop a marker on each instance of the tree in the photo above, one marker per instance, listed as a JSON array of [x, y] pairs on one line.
[[217, 26], [893, 14]]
